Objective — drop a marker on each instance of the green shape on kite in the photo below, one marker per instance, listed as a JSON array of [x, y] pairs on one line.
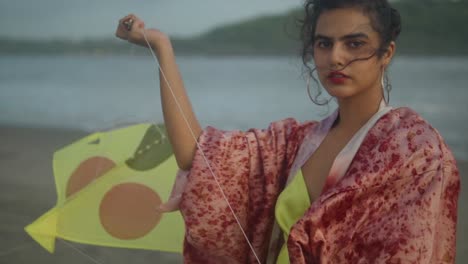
[[153, 149]]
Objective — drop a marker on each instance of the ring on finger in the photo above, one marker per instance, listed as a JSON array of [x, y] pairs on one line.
[[128, 24]]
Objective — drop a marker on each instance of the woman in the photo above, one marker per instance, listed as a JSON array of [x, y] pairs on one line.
[[368, 184]]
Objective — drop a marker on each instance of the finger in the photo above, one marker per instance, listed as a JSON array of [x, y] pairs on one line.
[[128, 24], [122, 27], [127, 17], [124, 18], [122, 24], [139, 26], [121, 30], [134, 17], [121, 33]]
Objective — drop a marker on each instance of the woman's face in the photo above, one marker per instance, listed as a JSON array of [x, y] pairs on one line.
[[345, 56]]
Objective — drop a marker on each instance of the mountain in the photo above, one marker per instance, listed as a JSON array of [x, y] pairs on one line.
[[430, 27]]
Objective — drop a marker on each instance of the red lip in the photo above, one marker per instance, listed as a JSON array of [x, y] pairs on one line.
[[337, 77]]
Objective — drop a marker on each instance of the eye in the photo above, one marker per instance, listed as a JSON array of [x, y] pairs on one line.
[[323, 44], [356, 44]]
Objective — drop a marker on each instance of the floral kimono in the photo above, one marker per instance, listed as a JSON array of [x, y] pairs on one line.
[[391, 195]]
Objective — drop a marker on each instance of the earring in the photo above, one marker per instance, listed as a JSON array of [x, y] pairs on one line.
[[382, 81], [311, 77], [308, 86], [386, 86]]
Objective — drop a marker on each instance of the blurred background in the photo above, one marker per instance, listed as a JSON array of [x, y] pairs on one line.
[[63, 74]]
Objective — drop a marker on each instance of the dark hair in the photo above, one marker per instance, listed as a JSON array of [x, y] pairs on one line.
[[385, 20]]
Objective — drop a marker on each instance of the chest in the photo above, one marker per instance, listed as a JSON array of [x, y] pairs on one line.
[[317, 168]]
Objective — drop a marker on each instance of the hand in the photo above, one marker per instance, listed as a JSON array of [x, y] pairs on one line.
[[132, 29]]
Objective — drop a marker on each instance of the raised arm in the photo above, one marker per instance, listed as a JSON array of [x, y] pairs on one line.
[[182, 141]]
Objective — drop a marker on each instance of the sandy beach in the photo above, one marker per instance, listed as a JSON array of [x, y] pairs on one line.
[[27, 190]]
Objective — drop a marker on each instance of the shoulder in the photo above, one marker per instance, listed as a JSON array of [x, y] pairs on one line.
[[403, 117], [405, 122], [287, 128], [291, 126], [408, 139]]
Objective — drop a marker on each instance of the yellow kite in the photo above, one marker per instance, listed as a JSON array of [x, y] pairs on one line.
[[109, 188]]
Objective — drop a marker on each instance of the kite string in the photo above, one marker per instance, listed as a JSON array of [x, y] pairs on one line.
[[11, 250], [199, 147], [98, 167], [81, 252]]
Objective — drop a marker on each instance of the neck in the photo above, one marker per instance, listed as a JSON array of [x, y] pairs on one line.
[[356, 111]]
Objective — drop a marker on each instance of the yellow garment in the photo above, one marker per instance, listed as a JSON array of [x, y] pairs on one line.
[[109, 188], [290, 207]]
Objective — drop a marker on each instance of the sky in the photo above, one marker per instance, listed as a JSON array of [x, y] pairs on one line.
[[78, 19]]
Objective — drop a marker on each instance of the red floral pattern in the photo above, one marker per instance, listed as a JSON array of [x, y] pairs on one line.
[[396, 203]]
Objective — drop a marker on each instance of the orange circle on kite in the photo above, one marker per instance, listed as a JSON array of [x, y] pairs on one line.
[[88, 171], [128, 210]]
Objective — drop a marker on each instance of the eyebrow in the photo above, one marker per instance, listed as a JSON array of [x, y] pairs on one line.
[[345, 37]]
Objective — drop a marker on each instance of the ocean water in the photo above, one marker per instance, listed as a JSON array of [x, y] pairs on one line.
[[100, 92]]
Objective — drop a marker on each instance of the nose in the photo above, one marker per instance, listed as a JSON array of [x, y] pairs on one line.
[[337, 58]]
